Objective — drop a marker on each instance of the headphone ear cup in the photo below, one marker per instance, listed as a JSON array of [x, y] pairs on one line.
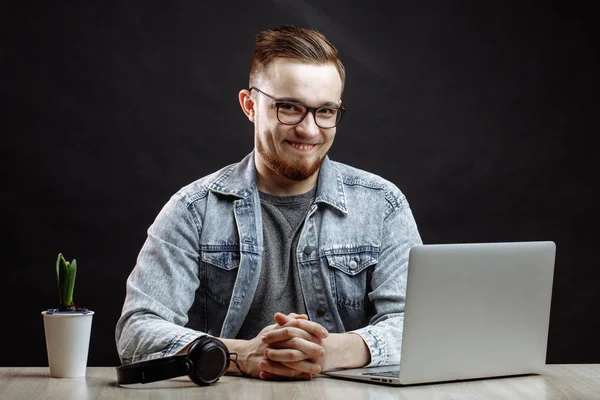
[[209, 360]]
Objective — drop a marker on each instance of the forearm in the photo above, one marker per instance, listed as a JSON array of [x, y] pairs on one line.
[[140, 337], [345, 350]]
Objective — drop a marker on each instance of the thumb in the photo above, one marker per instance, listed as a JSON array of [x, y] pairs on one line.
[[281, 319]]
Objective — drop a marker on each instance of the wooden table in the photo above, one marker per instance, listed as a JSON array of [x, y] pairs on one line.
[[577, 381]]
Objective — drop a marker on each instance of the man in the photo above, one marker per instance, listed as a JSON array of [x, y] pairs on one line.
[[297, 263]]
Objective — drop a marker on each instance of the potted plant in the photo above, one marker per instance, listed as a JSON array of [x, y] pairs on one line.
[[68, 327]]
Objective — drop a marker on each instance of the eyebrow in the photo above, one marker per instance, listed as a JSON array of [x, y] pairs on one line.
[[294, 100]]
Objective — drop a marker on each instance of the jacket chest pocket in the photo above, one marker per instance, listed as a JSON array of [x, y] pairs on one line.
[[350, 275], [220, 268]]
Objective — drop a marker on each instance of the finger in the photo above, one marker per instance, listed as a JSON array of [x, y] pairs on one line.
[[309, 326], [290, 370], [287, 333], [306, 366], [294, 350], [292, 327], [267, 376], [287, 355], [281, 319], [279, 370], [298, 316]]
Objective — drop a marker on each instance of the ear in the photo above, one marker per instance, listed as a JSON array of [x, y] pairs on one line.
[[247, 103]]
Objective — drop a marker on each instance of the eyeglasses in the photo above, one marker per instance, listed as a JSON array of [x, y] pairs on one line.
[[294, 113]]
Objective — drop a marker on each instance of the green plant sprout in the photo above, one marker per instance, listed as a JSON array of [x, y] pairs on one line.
[[65, 275]]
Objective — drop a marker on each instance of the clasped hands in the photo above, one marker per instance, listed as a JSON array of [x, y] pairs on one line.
[[292, 348]]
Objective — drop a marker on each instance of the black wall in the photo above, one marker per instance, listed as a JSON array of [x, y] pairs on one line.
[[482, 112]]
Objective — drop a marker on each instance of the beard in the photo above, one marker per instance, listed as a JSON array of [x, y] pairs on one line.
[[296, 171]]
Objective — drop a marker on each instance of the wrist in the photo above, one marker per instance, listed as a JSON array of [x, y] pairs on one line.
[[345, 350], [239, 348]]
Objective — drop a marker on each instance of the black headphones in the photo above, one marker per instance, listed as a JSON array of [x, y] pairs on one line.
[[205, 362]]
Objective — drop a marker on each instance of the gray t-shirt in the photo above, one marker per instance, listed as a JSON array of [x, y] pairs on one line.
[[279, 284]]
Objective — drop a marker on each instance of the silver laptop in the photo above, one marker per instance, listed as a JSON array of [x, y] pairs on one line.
[[473, 310]]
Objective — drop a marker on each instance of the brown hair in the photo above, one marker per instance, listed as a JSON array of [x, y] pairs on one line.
[[305, 45]]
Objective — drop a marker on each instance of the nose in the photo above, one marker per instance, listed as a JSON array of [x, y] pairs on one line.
[[308, 126]]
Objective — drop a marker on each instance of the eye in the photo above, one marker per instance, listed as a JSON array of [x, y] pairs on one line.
[[290, 108], [327, 112]]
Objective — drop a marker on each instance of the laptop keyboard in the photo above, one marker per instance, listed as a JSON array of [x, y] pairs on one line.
[[389, 374]]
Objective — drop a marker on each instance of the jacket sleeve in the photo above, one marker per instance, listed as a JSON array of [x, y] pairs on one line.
[[161, 287], [383, 335]]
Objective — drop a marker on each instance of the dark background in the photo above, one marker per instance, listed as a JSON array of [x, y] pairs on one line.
[[482, 112]]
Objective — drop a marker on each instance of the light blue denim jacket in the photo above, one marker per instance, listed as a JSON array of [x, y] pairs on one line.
[[199, 267]]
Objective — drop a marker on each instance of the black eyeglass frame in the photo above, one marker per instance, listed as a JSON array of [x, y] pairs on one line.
[[313, 110]]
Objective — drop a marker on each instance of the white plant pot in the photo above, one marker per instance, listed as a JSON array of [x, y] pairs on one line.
[[67, 342]]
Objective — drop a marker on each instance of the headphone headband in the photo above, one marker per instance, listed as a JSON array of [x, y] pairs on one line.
[[153, 370]]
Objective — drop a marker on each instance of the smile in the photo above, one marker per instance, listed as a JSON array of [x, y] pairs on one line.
[[302, 146]]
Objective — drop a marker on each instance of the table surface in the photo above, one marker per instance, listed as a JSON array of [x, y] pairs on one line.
[[572, 381]]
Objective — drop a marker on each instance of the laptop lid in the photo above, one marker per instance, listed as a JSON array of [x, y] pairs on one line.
[[473, 310], [476, 310]]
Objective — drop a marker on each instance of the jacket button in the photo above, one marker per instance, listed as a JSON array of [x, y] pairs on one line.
[[353, 264], [308, 250], [320, 311]]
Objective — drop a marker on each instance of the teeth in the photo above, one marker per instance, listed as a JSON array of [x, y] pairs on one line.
[[303, 146]]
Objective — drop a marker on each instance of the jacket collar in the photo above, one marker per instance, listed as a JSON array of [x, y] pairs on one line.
[[240, 180], [330, 188]]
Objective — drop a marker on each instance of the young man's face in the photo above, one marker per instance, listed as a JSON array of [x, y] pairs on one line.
[[294, 152]]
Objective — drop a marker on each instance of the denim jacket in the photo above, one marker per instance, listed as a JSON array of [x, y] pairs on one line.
[[198, 270]]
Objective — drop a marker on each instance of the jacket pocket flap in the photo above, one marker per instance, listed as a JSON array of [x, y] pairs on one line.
[[227, 260], [352, 263]]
